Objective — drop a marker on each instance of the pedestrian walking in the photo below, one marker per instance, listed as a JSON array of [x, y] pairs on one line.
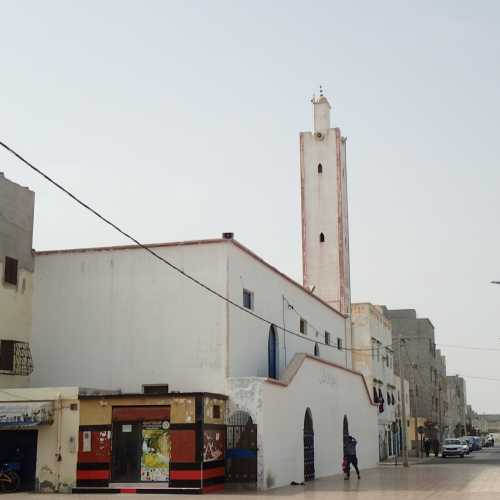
[[427, 446], [350, 457]]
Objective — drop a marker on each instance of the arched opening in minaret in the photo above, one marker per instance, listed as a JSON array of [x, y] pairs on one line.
[[320, 168], [321, 237]]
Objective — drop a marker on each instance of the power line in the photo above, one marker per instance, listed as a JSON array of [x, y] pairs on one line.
[[152, 252], [488, 349]]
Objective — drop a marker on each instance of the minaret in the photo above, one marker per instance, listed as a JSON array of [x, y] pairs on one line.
[[325, 229]]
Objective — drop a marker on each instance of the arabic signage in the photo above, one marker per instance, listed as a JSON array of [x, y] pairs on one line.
[[22, 415]]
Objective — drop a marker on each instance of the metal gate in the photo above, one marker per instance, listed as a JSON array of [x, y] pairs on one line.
[[308, 447], [241, 453]]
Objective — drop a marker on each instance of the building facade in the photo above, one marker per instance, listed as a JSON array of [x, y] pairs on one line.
[[420, 364], [457, 405], [16, 282], [373, 356], [444, 430], [279, 351]]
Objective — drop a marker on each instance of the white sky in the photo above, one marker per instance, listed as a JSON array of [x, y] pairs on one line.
[[180, 120]]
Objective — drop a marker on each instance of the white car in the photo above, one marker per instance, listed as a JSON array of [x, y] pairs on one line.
[[453, 448]]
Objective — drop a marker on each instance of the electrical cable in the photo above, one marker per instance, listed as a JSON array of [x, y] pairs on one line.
[[149, 250], [190, 277]]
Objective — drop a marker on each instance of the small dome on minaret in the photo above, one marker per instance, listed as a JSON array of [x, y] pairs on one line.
[[321, 112]]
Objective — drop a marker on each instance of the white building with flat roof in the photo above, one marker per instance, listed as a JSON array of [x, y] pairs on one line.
[[119, 318]]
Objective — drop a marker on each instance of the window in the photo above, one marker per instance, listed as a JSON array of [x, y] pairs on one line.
[[327, 338], [316, 349], [155, 389], [320, 168], [378, 350], [303, 326], [339, 343], [374, 344], [216, 411], [248, 299], [10, 271], [7, 355], [321, 237]]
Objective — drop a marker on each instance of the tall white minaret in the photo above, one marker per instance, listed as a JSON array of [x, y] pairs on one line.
[[325, 228]]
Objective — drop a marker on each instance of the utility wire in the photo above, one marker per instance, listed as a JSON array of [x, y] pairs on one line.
[[192, 278], [152, 252]]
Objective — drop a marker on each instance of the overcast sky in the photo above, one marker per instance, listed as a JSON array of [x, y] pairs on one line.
[[180, 119]]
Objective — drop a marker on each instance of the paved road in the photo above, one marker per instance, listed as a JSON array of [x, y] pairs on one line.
[[474, 478], [486, 456]]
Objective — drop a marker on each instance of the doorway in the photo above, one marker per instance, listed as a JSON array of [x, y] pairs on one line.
[[20, 447], [241, 452], [126, 465], [272, 353], [309, 472], [345, 433]]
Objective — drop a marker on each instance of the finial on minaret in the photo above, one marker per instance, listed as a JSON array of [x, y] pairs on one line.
[[321, 91]]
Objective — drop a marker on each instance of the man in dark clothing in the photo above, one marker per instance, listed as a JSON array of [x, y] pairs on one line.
[[427, 446], [350, 455]]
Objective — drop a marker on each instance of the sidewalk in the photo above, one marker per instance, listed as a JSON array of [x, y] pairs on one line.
[[411, 461]]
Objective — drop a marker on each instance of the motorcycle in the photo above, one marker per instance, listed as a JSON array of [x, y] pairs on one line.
[[10, 480]]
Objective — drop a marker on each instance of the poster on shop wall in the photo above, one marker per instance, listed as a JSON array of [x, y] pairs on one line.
[[155, 451], [213, 445]]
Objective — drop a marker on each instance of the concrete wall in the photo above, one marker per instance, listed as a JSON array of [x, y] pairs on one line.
[[324, 210], [420, 347], [57, 446], [248, 341], [279, 409], [120, 318], [16, 236], [457, 401]]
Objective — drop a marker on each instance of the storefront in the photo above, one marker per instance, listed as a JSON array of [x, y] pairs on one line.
[[19, 424], [162, 443], [38, 430]]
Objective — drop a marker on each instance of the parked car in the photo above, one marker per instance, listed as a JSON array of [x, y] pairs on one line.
[[453, 448], [477, 443], [470, 442], [465, 446]]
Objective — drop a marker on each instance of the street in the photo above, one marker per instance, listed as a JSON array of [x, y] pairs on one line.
[[475, 477]]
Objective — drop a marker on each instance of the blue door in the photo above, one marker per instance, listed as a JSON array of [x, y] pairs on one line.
[[272, 353]]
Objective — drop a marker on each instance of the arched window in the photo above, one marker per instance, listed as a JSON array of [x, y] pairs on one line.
[[320, 168], [316, 349], [272, 353], [321, 237]]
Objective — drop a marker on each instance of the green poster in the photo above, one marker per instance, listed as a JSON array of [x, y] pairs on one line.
[[155, 451]]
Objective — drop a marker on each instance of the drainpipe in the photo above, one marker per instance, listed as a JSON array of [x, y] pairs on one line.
[[59, 439]]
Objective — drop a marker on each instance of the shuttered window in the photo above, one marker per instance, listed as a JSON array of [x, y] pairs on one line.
[[10, 271], [7, 355]]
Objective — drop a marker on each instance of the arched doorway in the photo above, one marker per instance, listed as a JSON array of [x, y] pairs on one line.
[[272, 353], [345, 431], [241, 449], [308, 447]]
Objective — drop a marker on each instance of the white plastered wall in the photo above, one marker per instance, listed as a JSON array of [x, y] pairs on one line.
[[248, 339], [117, 319], [330, 393]]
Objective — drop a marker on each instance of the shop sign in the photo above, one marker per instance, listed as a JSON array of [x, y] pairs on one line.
[[22, 415]]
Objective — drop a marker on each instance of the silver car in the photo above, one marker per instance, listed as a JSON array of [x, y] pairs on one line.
[[453, 448]]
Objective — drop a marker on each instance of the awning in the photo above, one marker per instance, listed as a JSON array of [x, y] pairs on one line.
[[23, 415]]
